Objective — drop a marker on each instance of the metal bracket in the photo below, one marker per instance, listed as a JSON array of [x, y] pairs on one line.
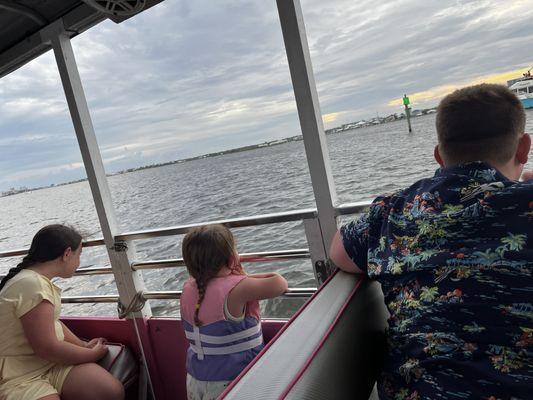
[[120, 246], [120, 8], [321, 271], [51, 31]]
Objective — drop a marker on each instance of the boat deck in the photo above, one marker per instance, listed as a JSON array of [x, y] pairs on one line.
[[168, 343]]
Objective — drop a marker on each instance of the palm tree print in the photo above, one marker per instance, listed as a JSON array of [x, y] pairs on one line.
[[514, 242], [453, 256], [428, 294]]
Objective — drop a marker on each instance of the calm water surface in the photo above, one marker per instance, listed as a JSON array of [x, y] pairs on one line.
[[365, 162]]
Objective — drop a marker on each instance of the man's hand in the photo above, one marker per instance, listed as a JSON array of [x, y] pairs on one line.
[[527, 176]]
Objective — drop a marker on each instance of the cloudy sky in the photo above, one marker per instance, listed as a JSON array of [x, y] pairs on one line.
[[190, 77]]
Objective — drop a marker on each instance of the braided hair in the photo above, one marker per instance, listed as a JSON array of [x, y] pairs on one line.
[[47, 244], [206, 250]]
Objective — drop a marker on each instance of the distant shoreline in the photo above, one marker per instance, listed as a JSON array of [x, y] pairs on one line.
[[343, 128]]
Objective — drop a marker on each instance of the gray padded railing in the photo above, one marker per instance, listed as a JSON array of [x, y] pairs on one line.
[[344, 366]]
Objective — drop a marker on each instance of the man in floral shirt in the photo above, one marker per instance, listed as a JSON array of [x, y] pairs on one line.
[[454, 256]]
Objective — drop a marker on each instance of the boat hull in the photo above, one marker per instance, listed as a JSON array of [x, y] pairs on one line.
[[527, 103]]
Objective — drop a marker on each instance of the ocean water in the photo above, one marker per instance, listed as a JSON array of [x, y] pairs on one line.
[[365, 162]]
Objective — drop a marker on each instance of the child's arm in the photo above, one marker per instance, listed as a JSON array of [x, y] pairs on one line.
[[38, 325], [255, 287]]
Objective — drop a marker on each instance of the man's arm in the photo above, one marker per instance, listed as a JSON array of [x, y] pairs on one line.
[[340, 258]]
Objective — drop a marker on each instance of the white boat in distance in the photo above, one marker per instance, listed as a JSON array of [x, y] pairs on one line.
[[523, 88]]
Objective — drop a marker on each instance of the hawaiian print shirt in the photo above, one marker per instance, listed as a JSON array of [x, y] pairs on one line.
[[454, 256]]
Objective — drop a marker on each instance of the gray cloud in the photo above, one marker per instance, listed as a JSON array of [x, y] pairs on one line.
[[189, 77]]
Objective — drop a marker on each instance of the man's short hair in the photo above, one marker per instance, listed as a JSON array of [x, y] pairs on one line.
[[479, 123]]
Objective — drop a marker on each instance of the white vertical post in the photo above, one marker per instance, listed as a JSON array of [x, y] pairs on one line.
[[294, 36], [128, 282]]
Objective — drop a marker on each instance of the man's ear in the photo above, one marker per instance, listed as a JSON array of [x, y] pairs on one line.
[[437, 156], [522, 151]]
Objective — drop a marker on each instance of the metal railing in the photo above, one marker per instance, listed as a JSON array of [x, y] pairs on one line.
[[21, 252], [263, 256], [352, 208], [293, 293], [286, 216]]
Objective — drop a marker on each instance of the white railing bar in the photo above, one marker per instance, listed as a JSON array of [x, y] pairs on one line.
[[163, 295], [176, 294], [87, 271], [13, 253], [171, 295], [343, 209], [352, 208], [108, 298], [286, 216], [93, 271], [21, 252], [299, 292], [260, 256], [94, 242]]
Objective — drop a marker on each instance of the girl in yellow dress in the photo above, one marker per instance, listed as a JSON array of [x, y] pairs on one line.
[[40, 358]]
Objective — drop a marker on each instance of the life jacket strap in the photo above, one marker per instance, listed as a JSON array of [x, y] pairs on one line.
[[254, 330], [196, 338], [218, 351]]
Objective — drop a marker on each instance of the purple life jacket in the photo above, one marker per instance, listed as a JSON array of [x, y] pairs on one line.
[[221, 348]]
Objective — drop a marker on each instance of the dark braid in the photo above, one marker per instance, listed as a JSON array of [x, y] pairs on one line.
[[206, 250], [47, 244], [201, 294], [25, 263]]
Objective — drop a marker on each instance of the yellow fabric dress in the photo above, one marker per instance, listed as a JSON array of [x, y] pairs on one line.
[[23, 375]]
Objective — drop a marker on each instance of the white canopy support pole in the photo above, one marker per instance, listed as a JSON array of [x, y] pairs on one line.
[[128, 282], [294, 36]]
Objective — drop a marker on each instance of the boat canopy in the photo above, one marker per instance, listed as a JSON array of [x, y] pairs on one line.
[[28, 28], [522, 84], [22, 21]]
